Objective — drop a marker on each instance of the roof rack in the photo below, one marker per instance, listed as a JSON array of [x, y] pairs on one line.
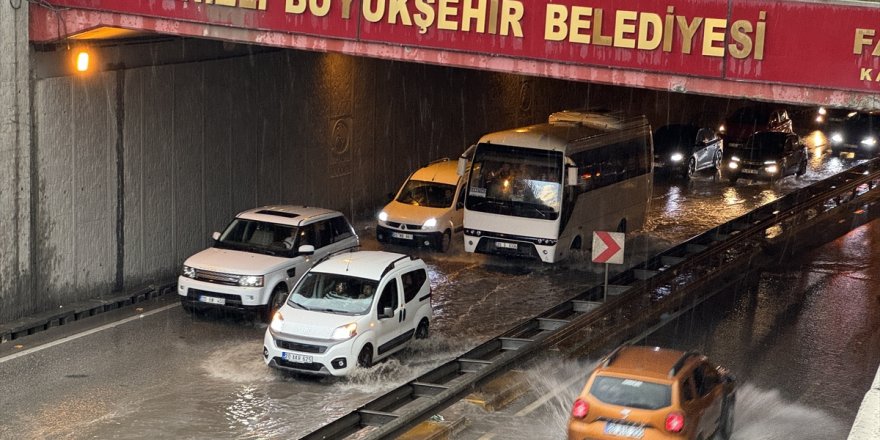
[[680, 362], [394, 263], [613, 355]]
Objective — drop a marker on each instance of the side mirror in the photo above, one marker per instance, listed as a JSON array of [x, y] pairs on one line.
[[571, 176], [215, 236], [306, 249], [462, 166], [387, 312]]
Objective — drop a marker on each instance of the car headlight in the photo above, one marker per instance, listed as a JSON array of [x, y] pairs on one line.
[[721, 128], [676, 157], [277, 321], [733, 165], [822, 111], [189, 272], [734, 158], [837, 138], [383, 216], [772, 169], [345, 332], [430, 223], [251, 281], [869, 141]]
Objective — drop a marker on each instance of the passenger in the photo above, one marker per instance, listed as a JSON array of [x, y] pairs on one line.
[[366, 292], [341, 290]]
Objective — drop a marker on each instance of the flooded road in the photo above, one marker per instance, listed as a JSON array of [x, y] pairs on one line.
[[170, 374]]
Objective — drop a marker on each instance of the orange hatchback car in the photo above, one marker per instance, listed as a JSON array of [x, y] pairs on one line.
[[654, 393]]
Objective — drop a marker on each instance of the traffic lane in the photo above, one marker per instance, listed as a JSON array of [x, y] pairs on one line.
[[803, 340], [167, 374], [682, 208], [806, 333]]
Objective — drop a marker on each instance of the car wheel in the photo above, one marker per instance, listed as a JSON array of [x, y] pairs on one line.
[[733, 180], [717, 162], [279, 295], [802, 168], [725, 425], [691, 169], [187, 307], [365, 357], [422, 330], [444, 242]]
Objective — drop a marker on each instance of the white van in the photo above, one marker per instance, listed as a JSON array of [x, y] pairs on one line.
[[259, 257], [350, 310], [427, 209]]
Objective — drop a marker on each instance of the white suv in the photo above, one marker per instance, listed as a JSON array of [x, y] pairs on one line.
[[427, 209], [350, 310], [259, 257]]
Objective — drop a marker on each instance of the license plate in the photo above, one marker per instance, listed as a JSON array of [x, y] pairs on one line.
[[212, 300], [749, 171], [298, 358], [402, 236], [624, 430], [502, 244]]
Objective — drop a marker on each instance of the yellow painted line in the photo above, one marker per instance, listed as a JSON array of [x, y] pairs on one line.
[[86, 333]]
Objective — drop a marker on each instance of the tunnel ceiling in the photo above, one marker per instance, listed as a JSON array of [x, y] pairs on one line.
[[794, 52]]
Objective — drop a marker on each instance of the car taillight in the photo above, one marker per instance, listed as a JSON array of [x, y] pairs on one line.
[[675, 422], [580, 409]]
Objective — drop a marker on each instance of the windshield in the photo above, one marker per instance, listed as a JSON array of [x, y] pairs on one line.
[[256, 236], [429, 194], [334, 293], [631, 393], [516, 181]]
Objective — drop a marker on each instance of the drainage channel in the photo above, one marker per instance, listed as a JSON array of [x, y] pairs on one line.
[[644, 295]]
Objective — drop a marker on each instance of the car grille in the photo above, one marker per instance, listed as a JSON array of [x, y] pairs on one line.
[[296, 346], [230, 299], [405, 226], [299, 366], [753, 164], [227, 279]]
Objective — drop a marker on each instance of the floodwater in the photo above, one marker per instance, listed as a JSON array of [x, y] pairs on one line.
[[170, 374]]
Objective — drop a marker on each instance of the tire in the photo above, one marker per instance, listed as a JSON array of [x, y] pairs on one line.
[[576, 243], [725, 425], [691, 169], [802, 169], [733, 180], [444, 242], [276, 300], [717, 162], [621, 226], [422, 330], [365, 357]]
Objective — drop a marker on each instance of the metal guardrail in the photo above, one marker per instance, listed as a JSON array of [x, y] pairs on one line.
[[645, 293]]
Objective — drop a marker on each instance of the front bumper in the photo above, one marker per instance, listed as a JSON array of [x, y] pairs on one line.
[[201, 293], [408, 237], [319, 359]]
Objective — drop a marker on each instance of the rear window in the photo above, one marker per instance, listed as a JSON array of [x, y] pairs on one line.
[[631, 393]]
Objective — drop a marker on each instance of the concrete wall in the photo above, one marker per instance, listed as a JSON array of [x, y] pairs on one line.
[[16, 256], [136, 167]]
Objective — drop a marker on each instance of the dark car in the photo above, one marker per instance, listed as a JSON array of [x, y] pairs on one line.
[[686, 149], [747, 121], [766, 155], [857, 133]]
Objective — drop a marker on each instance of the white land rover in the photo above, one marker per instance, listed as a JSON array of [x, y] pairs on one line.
[[259, 257], [348, 311], [428, 208]]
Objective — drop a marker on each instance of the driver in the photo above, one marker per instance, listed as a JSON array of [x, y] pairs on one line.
[[341, 289]]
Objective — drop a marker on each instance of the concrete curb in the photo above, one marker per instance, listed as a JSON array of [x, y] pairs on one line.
[[74, 312], [867, 423]]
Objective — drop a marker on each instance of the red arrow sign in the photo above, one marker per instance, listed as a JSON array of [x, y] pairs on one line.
[[608, 247]]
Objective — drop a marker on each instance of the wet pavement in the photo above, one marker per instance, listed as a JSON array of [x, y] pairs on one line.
[[165, 373]]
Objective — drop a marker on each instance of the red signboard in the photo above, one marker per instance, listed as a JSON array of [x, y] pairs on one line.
[[819, 45]]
